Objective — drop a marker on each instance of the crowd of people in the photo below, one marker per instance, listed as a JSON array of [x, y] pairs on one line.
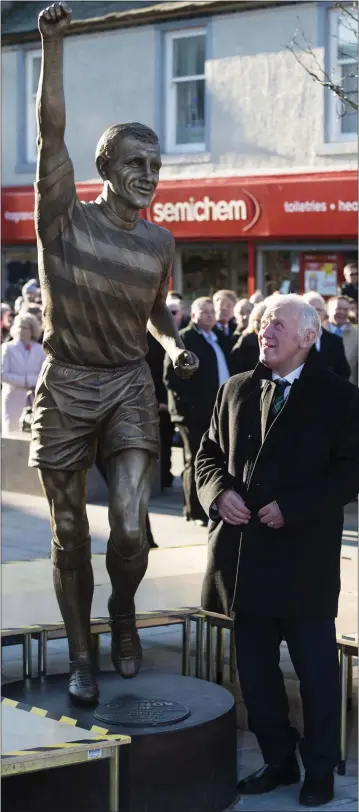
[[221, 330], [22, 354]]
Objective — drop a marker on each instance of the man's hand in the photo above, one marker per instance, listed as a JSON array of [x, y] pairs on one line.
[[54, 20], [185, 363], [271, 516], [232, 509]]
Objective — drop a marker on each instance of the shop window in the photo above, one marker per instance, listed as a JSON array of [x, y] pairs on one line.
[[32, 74], [282, 272], [206, 270], [185, 90], [343, 67]]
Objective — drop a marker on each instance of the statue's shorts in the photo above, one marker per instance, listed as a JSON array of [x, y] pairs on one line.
[[76, 408]]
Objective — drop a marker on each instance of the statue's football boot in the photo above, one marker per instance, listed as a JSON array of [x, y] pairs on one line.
[[83, 689], [126, 649]]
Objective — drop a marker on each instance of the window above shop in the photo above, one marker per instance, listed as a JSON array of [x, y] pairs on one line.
[[343, 70], [32, 74], [28, 74], [185, 91]]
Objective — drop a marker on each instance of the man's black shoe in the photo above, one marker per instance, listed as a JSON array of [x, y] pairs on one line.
[[318, 789], [271, 776]]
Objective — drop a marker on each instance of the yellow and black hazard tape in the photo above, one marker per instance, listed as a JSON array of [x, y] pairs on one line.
[[101, 732], [62, 746]]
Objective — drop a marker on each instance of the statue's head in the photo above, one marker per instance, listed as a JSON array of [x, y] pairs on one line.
[[128, 159]]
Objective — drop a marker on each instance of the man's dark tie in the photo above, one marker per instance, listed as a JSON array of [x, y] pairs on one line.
[[278, 398]]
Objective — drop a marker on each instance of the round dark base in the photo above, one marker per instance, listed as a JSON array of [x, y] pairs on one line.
[[190, 766]]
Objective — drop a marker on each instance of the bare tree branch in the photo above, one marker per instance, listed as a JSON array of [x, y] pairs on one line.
[[347, 13], [303, 53]]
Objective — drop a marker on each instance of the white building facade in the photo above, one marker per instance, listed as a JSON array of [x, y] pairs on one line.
[[259, 160]]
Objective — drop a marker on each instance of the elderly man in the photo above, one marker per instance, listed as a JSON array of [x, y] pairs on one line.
[[242, 312], [340, 325], [329, 346], [274, 471], [191, 402]]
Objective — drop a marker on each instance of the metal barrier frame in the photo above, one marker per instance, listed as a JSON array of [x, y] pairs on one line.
[[55, 631], [347, 650], [62, 758]]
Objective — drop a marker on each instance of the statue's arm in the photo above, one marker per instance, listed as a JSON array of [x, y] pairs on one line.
[[50, 102], [161, 324], [163, 328]]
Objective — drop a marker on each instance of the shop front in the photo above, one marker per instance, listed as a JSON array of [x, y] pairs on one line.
[[288, 233]]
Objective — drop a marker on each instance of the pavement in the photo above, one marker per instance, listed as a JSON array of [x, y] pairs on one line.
[[173, 578]]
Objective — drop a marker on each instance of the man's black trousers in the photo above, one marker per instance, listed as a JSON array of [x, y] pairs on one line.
[[313, 651], [191, 434], [166, 433]]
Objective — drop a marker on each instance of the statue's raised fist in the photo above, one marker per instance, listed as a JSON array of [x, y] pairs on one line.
[[54, 20]]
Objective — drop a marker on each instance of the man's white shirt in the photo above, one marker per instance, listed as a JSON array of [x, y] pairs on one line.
[[291, 377], [222, 367]]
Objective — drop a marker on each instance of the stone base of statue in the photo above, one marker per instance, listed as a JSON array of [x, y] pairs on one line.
[[183, 755], [17, 477]]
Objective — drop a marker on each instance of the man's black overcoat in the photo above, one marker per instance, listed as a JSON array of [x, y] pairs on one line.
[[308, 462]]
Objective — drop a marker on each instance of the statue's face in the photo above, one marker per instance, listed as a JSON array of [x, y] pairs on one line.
[[134, 175]]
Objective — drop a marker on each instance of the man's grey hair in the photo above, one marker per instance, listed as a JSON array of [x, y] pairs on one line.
[[241, 302], [312, 296], [256, 297], [196, 305], [309, 319], [228, 294]]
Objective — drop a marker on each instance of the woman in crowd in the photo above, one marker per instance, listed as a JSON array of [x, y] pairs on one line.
[[36, 310], [22, 359]]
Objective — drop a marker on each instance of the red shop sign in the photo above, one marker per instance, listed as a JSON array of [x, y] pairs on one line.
[[295, 206], [291, 206], [17, 208]]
